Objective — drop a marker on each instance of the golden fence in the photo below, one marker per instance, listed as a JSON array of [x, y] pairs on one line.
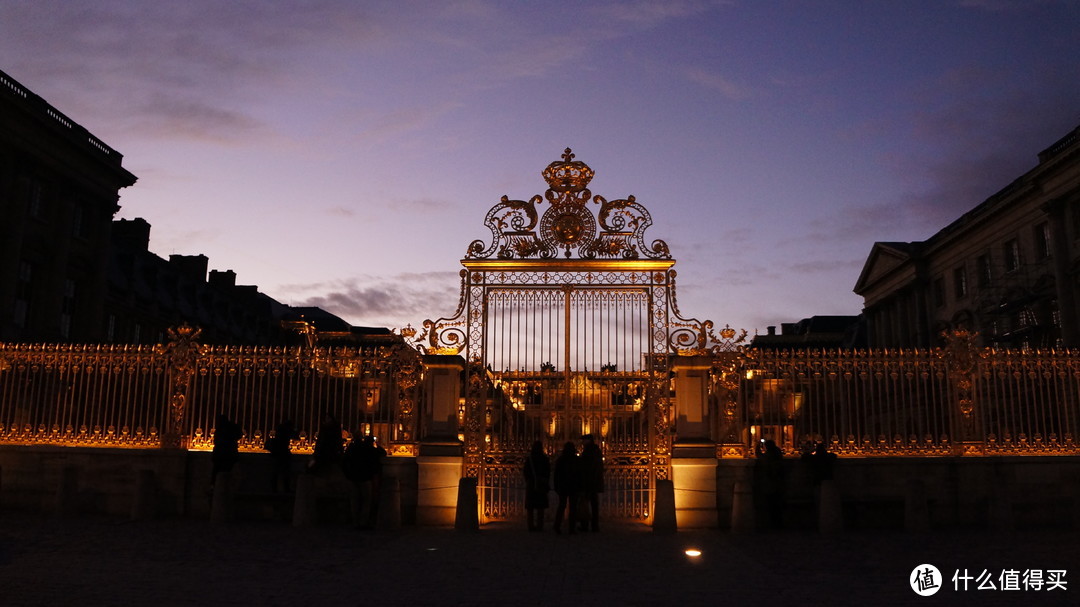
[[957, 400], [170, 395]]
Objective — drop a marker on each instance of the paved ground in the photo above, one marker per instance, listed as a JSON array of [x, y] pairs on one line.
[[101, 561]]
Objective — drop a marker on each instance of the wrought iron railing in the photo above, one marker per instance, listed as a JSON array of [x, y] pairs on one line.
[[957, 400], [171, 394]]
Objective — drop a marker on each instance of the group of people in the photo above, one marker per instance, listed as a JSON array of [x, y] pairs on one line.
[[770, 474], [578, 482], [360, 461]]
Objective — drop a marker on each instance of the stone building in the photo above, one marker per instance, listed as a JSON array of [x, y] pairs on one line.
[[1007, 269], [59, 187], [70, 273], [149, 294]]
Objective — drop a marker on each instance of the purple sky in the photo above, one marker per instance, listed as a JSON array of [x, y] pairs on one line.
[[343, 154]]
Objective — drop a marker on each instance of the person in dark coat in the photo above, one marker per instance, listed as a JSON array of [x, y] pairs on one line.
[[821, 462], [537, 472], [566, 486], [362, 464], [227, 434], [770, 475], [591, 477], [280, 448], [329, 445]]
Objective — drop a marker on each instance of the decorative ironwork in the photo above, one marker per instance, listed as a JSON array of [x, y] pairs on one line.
[[961, 355], [182, 350], [568, 225], [568, 322]]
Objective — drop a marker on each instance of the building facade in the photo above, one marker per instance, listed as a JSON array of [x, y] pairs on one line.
[[59, 188], [1007, 269]]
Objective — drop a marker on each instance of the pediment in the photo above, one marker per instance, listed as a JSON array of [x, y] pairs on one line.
[[885, 258]]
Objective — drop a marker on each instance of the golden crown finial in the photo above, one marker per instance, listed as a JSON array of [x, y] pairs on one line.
[[568, 175]]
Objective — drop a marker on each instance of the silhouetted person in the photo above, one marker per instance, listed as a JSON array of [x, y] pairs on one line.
[[566, 486], [329, 445], [226, 451], [770, 469], [537, 472], [280, 448], [591, 477], [362, 464], [821, 463]]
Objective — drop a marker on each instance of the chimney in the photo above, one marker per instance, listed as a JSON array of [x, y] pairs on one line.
[[131, 234], [190, 267], [223, 279]]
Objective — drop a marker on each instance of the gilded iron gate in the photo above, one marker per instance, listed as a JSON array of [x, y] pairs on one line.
[[568, 324]]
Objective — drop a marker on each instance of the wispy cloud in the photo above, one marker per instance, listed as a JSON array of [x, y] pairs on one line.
[[389, 301], [717, 82]]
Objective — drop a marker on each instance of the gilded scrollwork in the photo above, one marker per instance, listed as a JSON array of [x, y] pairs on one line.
[[181, 351], [568, 225]]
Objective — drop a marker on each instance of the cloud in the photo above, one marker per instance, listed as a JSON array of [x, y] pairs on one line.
[[391, 301], [973, 133], [717, 82], [171, 69], [649, 13]]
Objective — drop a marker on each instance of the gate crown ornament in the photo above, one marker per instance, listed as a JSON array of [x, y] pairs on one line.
[[617, 231], [568, 175]]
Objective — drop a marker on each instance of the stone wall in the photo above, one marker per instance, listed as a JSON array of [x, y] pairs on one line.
[[951, 492], [73, 480]]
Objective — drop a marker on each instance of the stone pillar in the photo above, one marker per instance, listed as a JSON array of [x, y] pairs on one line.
[[442, 397], [692, 415], [467, 516], [664, 520], [693, 472], [438, 477]]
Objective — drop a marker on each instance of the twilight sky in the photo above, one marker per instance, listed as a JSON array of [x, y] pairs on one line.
[[343, 153]]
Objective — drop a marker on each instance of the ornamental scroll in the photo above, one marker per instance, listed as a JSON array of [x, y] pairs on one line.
[[568, 225]]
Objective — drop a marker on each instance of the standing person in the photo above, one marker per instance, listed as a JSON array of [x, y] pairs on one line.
[[329, 445], [566, 485], [280, 448], [227, 434], [592, 480], [770, 470], [362, 464], [537, 484]]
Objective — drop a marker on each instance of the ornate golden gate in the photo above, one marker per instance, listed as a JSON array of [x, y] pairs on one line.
[[568, 324]]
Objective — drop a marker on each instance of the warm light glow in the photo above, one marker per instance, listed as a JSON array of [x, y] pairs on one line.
[[692, 552]]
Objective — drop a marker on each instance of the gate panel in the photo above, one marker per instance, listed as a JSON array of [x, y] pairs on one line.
[[567, 361]]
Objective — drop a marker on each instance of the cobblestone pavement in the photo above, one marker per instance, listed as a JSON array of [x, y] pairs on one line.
[[102, 561]]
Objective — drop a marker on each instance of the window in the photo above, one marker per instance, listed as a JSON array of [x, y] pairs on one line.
[[1042, 240], [960, 282], [33, 200], [67, 308], [77, 227], [1074, 211], [23, 289], [982, 268], [1012, 255], [939, 292]]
